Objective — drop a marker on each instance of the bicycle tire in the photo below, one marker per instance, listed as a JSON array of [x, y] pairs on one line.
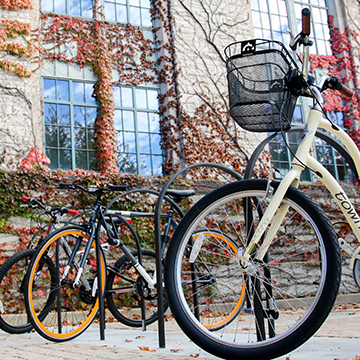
[[13, 318], [73, 308], [124, 291], [299, 276]]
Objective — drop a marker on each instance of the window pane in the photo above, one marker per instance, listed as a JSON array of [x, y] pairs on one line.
[[91, 140], [276, 23], [50, 114], [263, 5], [89, 89], [60, 6], [49, 89], [121, 14], [127, 97], [141, 98], [118, 120], [51, 136], [78, 92], [154, 123], [256, 18], [127, 163], [145, 164], [80, 139], [63, 114], [81, 159], [254, 4], [282, 8], [91, 113], [109, 12], [152, 100], [65, 159], [145, 4], [79, 116], [130, 144], [128, 120], [120, 142], [135, 16], [142, 120], [145, 17], [157, 165], [116, 94], [53, 155], [87, 8], [155, 144], [64, 137], [74, 8], [47, 6], [144, 143], [63, 90]]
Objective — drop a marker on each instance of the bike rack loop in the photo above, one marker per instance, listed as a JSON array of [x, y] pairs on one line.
[[159, 279]]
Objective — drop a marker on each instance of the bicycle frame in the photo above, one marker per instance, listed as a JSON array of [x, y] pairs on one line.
[[292, 178]]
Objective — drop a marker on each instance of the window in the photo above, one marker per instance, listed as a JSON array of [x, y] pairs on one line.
[[138, 130], [83, 8], [135, 12], [69, 117], [272, 19], [70, 110]]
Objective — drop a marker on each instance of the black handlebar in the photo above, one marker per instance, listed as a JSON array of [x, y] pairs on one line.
[[334, 83], [48, 209]]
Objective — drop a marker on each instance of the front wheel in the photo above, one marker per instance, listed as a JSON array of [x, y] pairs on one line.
[[287, 294], [73, 305]]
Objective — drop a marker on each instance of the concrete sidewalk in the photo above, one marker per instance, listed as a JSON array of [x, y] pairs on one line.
[[338, 338]]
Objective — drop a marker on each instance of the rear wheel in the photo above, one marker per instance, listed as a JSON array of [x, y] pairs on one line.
[[75, 305], [288, 293]]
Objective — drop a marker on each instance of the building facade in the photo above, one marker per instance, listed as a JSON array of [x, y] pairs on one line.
[[139, 86]]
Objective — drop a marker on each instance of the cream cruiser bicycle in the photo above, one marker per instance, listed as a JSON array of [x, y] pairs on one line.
[[287, 251]]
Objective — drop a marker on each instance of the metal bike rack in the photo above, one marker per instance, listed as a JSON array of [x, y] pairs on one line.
[[159, 272]]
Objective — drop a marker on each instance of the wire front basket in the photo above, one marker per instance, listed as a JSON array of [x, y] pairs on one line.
[[259, 98]]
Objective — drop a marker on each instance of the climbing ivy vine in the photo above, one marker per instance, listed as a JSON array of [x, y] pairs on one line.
[[206, 135]]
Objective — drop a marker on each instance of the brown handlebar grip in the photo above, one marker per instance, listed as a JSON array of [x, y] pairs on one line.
[[346, 91], [305, 16]]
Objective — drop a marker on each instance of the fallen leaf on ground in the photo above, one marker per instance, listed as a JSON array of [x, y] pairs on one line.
[[145, 348]]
